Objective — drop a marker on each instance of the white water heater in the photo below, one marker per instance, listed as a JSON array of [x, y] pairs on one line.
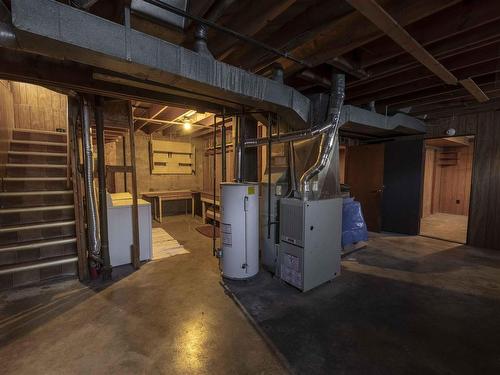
[[239, 229]]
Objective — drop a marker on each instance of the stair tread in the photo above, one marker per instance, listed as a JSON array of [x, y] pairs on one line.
[[38, 153], [30, 142], [37, 192], [35, 208], [36, 244], [48, 224], [37, 264], [21, 130], [21, 165], [34, 178]]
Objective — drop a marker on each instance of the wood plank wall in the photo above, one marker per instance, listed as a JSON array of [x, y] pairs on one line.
[[484, 219], [148, 182], [430, 182], [447, 188], [6, 121], [454, 191], [38, 108]]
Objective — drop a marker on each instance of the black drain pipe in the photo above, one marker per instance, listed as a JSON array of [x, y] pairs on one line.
[[214, 222], [101, 171]]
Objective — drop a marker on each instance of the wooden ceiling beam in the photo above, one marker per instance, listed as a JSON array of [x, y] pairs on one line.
[[456, 104], [478, 70], [487, 82], [453, 64], [152, 113], [464, 108], [440, 97], [353, 31], [300, 23], [383, 20], [447, 49], [201, 133], [255, 16], [462, 20]]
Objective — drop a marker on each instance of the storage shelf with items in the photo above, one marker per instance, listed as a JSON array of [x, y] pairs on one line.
[[168, 157]]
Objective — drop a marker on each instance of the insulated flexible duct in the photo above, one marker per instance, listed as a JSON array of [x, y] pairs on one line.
[[94, 240]]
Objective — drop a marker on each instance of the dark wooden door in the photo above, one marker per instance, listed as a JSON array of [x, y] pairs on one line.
[[365, 176], [403, 176]]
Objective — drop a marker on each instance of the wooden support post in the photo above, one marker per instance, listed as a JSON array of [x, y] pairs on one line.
[[81, 243], [124, 163], [136, 250]]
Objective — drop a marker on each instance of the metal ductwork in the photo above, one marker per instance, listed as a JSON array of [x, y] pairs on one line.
[[94, 240], [329, 138], [7, 36], [200, 41], [364, 121], [48, 27], [321, 127]]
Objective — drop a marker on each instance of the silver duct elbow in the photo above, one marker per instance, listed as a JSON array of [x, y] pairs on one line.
[[335, 105], [7, 36], [94, 240], [329, 133]]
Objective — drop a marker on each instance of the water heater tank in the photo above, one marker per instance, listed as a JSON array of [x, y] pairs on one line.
[[239, 228]]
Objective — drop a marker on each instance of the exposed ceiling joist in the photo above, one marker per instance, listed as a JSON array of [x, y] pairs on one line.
[[458, 65], [202, 132], [255, 20], [385, 22], [466, 22], [352, 31], [153, 112], [474, 89]]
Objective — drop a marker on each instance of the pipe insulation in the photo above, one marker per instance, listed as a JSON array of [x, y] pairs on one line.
[[94, 241]]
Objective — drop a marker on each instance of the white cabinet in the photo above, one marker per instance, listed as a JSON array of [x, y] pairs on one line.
[[120, 228]]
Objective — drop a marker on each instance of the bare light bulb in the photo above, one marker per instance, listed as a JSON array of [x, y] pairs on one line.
[[186, 124]]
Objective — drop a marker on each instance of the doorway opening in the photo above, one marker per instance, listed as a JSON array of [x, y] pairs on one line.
[[446, 188]]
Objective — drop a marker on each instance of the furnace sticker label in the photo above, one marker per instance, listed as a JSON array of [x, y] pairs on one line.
[[226, 235], [251, 190]]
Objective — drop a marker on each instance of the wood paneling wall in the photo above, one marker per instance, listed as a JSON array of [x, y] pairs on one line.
[[455, 183], [447, 188], [148, 182], [484, 219], [6, 121], [429, 182], [38, 108]]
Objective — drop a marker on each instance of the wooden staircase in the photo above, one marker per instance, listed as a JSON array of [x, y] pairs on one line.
[[37, 220]]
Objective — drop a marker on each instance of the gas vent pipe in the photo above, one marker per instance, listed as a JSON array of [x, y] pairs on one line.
[[328, 130], [329, 137], [94, 240]]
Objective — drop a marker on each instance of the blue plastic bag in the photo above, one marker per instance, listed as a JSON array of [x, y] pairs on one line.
[[353, 223]]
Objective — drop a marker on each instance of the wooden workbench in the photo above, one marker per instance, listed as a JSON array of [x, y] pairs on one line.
[[157, 197], [207, 199]]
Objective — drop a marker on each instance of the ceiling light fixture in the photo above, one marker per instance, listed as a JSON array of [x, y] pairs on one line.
[[186, 124]]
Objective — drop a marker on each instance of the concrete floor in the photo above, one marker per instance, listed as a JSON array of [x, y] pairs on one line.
[[171, 317], [408, 305], [445, 226], [403, 305]]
